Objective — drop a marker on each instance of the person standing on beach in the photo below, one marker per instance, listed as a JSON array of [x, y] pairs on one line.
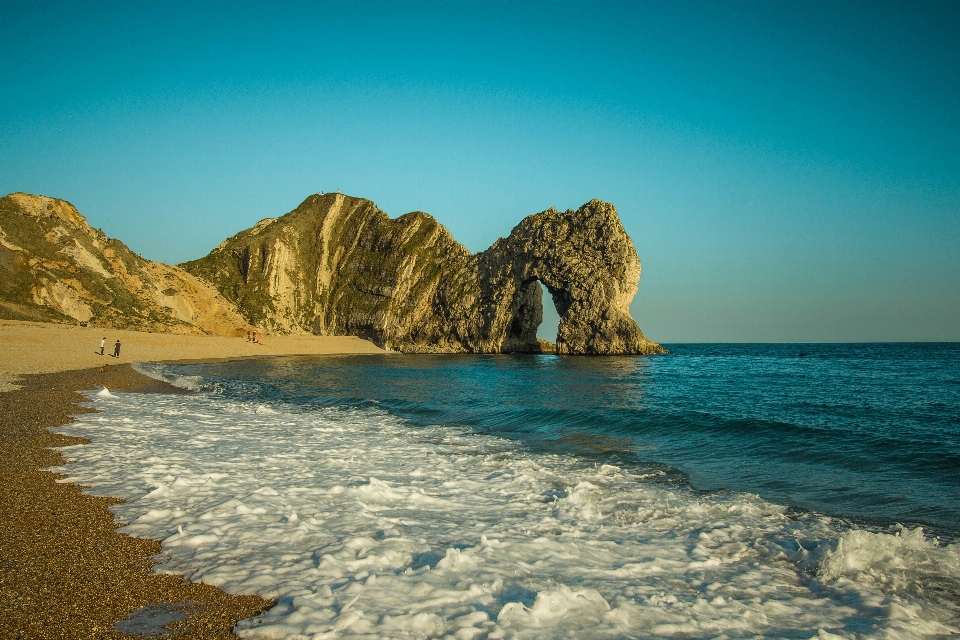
[[116, 349], [102, 343]]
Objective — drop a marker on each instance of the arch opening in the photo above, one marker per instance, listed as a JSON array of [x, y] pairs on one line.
[[550, 323], [521, 332], [535, 321]]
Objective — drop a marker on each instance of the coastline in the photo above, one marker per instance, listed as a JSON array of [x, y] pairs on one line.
[[278, 521], [68, 571], [38, 347]]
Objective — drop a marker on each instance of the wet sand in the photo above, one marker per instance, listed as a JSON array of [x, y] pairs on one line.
[[66, 571]]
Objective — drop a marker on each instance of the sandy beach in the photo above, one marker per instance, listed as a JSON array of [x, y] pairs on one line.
[[36, 347], [65, 569]]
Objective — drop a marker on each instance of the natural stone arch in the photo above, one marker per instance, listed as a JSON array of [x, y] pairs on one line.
[[339, 266], [591, 270]]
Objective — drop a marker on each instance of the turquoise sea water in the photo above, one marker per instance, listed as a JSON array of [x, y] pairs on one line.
[[720, 491], [864, 432]]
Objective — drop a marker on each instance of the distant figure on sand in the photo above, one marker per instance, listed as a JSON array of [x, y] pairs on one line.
[[116, 349], [248, 336], [254, 336], [102, 343]]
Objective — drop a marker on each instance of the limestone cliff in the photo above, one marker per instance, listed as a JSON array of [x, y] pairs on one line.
[[55, 267], [338, 265]]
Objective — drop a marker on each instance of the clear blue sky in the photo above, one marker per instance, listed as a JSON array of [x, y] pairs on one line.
[[789, 171]]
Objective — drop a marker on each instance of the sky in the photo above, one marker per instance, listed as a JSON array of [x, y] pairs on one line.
[[788, 171]]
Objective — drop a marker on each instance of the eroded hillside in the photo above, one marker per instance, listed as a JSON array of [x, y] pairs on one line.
[[55, 267]]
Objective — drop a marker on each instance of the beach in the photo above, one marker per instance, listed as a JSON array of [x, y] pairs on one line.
[[716, 491], [66, 571], [36, 347]]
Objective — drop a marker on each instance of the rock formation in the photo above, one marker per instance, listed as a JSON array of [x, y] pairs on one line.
[[338, 265], [54, 267]]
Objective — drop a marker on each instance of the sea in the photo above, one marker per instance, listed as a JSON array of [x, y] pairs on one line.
[[719, 491]]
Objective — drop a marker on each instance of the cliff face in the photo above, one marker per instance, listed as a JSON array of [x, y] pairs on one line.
[[591, 270], [55, 267], [338, 265]]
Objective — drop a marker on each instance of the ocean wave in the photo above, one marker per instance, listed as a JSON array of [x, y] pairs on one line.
[[165, 373], [358, 523], [904, 563]]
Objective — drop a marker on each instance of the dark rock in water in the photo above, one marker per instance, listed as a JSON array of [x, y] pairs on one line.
[[338, 265]]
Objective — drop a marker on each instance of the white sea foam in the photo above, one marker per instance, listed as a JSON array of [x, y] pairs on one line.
[[360, 525], [163, 373]]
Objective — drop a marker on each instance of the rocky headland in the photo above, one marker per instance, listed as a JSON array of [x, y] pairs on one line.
[[337, 265]]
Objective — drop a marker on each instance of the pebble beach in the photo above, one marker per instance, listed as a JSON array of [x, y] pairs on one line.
[[67, 571]]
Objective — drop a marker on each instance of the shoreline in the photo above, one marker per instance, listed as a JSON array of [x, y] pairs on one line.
[[39, 347], [249, 554], [68, 570]]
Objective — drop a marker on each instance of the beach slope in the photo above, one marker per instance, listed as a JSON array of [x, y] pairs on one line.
[[66, 571], [37, 347]]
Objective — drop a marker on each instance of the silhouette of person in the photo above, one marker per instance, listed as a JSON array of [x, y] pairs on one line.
[[116, 349], [102, 343]]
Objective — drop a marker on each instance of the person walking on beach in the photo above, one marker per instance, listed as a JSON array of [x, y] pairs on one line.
[[116, 349], [102, 343]]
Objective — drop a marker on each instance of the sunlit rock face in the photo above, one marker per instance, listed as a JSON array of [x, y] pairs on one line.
[[55, 267], [338, 265], [591, 269]]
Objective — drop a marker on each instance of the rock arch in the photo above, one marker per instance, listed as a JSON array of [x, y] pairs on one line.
[[590, 268], [346, 268], [526, 314]]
